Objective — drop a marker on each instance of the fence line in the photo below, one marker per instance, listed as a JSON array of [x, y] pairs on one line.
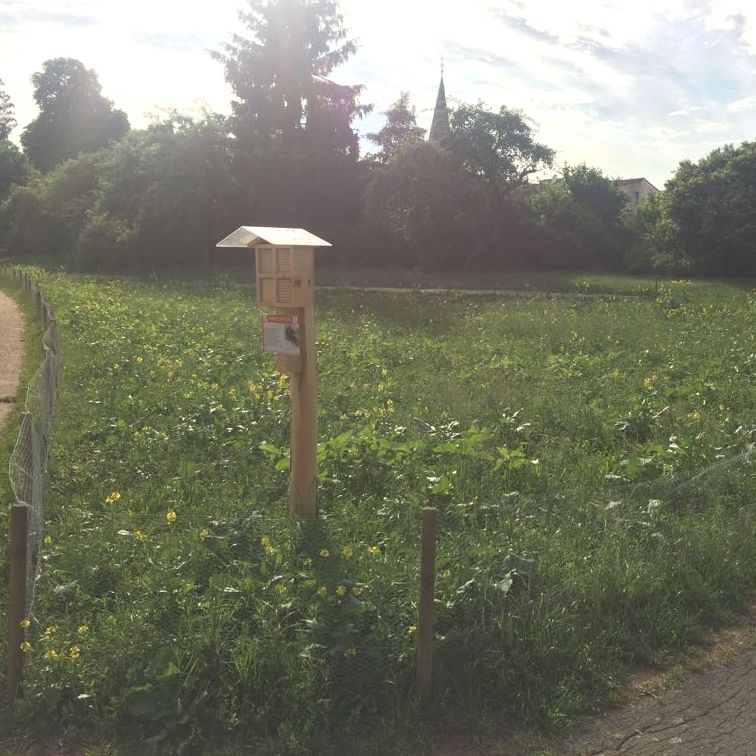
[[27, 471]]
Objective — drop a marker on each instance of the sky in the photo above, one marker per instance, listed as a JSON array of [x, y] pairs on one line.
[[630, 88]]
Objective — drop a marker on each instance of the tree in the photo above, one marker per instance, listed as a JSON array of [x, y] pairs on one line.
[[46, 216], [400, 129], [426, 203], [279, 77], [7, 121], [498, 148], [652, 245], [164, 195], [712, 205], [74, 116], [596, 192], [14, 168], [582, 214]]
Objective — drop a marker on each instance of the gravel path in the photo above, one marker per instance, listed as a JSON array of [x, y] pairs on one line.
[[504, 293], [11, 352], [713, 712]]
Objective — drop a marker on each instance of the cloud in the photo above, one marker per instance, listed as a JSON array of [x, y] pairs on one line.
[[744, 103], [684, 112], [703, 126], [491, 64], [16, 15], [177, 42], [520, 25]]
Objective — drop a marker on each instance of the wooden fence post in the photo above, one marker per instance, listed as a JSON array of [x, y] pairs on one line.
[[426, 609], [19, 530]]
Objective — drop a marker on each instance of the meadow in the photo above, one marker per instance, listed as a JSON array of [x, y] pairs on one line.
[[590, 460]]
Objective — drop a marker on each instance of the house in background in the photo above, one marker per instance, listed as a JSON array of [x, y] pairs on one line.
[[636, 189]]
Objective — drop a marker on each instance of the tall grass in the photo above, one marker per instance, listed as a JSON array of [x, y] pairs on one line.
[[589, 459]]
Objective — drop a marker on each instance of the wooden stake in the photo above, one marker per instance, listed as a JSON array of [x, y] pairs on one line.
[[304, 421], [19, 531], [426, 610]]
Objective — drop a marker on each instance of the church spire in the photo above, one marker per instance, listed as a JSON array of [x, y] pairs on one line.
[[440, 126]]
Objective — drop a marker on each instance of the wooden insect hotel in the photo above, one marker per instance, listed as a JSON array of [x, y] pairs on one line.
[[285, 272]]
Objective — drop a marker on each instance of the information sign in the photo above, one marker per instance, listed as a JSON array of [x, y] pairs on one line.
[[280, 334]]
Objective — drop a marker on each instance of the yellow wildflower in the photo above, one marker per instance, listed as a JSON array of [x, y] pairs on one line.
[[83, 630], [412, 629], [307, 562], [170, 517], [374, 550], [74, 652], [139, 535], [267, 546], [356, 590], [322, 591], [204, 533], [48, 540], [347, 552], [114, 497], [325, 553], [50, 631], [25, 623], [341, 591], [26, 647], [51, 654]]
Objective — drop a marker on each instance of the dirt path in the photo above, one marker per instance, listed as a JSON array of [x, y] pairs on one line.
[[11, 352]]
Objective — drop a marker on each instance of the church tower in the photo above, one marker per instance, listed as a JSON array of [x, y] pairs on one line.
[[440, 126]]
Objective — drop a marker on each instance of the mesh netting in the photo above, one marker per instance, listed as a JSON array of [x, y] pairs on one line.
[[28, 464]]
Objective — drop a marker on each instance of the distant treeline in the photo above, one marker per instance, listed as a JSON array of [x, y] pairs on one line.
[[97, 195]]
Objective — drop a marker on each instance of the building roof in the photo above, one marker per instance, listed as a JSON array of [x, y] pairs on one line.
[[249, 236], [635, 180], [440, 124]]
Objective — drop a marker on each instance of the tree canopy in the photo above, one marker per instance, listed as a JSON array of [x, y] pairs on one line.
[[7, 119], [712, 205], [74, 117], [498, 147], [399, 130], [14, 168], [422, 198], [290, 155], [581, 212], [279, 76]]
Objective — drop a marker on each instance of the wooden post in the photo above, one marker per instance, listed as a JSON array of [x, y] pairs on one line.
[[304, 421], [19, 531], [426, 609]]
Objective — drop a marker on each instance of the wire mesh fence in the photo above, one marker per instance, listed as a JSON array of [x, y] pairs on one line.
[[27, 469]]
